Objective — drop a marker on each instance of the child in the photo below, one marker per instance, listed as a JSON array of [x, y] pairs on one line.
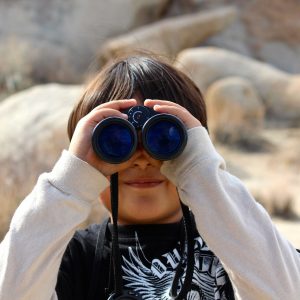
[[235, 243]]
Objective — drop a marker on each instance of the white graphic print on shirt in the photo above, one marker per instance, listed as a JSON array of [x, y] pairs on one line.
[[153, 279]]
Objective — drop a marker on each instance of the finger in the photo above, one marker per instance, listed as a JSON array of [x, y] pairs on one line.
[[152, 102], [183, 114], [98, 115], [173, 110], [117, 104]]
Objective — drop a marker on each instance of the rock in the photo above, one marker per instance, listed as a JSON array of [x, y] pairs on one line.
[[283, 56], [163, 37], [60, 38], [33, 132], [235, 112], [273, 31], [278, 90], [268, 33], [233, 38]]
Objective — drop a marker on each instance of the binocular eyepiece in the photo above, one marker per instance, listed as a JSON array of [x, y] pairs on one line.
[[163, 136]]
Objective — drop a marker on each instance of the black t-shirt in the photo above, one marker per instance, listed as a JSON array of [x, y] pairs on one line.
[[149, 257]]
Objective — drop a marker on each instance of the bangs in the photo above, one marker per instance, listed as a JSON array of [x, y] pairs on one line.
[[138, 75], [150, 79]]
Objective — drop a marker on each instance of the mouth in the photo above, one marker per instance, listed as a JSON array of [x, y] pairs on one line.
[[144, 183]]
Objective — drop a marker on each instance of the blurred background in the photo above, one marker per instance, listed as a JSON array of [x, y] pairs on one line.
[[243, 55]]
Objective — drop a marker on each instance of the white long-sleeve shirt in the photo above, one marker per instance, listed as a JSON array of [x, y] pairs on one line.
[[259, 261]]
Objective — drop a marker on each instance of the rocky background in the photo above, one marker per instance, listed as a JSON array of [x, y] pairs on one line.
[[244, 56]]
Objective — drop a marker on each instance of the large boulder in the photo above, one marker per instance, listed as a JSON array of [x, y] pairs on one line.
[[169, 36], [269, 33], [33, 132], [57, 40], [274, 32], [235, 112], [278, 90]]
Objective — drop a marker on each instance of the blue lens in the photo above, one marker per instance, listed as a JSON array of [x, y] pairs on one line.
[[116, 141], [164, 138]]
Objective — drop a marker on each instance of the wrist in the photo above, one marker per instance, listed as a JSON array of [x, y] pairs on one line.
[[75, 176]]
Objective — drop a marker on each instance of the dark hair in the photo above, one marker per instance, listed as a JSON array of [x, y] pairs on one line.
[[150, 78]]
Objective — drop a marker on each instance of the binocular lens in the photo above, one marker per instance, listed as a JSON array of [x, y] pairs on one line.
[[115, 142], [163, 140]]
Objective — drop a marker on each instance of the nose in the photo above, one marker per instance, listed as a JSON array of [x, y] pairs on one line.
[[142, 159]]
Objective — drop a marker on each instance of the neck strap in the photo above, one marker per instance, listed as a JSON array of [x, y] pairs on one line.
[[114, 190]]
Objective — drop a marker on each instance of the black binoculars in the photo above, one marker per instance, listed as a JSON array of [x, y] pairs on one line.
[[163, 136]]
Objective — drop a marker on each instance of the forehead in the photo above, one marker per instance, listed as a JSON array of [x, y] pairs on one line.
[[139, 98]]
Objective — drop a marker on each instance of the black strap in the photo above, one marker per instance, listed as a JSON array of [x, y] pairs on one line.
[[118, 281], [189, 239]]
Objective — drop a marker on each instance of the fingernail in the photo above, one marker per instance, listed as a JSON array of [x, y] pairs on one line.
[[147, 99], [156, 106]]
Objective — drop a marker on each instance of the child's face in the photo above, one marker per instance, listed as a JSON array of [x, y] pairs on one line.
[[145, 195]]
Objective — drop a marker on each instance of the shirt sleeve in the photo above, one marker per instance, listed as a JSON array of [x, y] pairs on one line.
[[260, 262], [43, 225]]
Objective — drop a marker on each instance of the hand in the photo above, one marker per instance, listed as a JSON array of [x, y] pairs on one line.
[[163, 106], [81, 143]]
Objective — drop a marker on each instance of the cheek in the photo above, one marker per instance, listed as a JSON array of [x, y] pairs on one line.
[[172, 189], [105, 198], [173, 194]]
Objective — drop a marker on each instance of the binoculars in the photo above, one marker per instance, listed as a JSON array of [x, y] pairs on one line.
[[163, 136]]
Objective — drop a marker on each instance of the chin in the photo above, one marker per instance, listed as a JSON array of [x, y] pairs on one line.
[[151, 219], [137, 220]]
